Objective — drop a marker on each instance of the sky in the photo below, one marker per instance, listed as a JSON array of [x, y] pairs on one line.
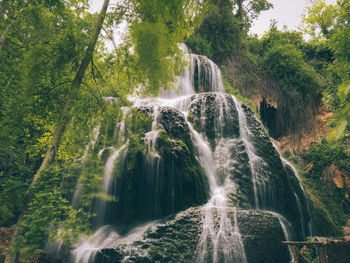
[[286, 12]]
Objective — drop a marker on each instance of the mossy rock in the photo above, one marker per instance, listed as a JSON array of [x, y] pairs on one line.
[[151, 183], [177, 239], [284, 188], [262, 235], [215, 115]]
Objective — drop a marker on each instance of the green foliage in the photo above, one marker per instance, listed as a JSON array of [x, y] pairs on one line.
[[154, 54], [156, 32], [285, 64], [37, 61], [231, 90], [276, 37], [287, 77], [51, 213], [41, 53], [220, 33], [324, 155], [325, 161], [320, 19], [49, 209], [140, 123], [11, 198], [248, 10], [331, 22], [199, 45], [309, 252]]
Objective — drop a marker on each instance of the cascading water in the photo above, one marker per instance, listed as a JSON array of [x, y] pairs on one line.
[[307, 219], [263, 194], [222, 140], [226, 242]]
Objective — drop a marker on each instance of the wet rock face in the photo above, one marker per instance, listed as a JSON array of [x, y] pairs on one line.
[[240, 174], [41, 256], [173, 241], [175, 125], [177, 240], [202, 74], [283, 183], [215, 115], [155, 182], [262, 236], [109, 255], [171, 120]]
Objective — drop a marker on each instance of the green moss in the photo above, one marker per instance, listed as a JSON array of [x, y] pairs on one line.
[[184, 168], [328, 214], [140, 123], [333, 208], [325, 154], [234, 91]]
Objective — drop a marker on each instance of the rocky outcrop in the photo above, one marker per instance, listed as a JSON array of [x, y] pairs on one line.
[[157, 180], [262, 235], [175, 125], [177, 239], [41, 256], [215, 115], [284, 185]]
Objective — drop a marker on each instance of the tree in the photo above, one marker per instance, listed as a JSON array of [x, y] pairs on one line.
[[160, 26], [330, 26], [220, 33], [41, 53], [11, 24], [340, 44], [248, 10], [224, 27], [64, 116], [293, 83], [320, 20]]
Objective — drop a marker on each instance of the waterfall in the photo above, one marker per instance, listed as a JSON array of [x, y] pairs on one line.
[[225, 242], [107, 180], [222, 138], [262, 193], [310, 229], [85, 250], [306, 219], [286, 228]]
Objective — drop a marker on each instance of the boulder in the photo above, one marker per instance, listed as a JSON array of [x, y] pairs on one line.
[[177, 239]]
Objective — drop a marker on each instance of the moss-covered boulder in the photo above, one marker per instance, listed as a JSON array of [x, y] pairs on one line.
[[215, 115], [158, 179], [284, 193], [177, 240], [262, 235]]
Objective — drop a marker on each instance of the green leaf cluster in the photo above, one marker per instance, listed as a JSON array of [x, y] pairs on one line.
[[330, 23], [220, 33], [158, 28], [324, 155], [50, 212], [286, 64]]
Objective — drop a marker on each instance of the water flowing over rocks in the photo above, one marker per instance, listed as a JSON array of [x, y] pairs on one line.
[[194, 178], [215, 115], [162, 179], [177, 239]]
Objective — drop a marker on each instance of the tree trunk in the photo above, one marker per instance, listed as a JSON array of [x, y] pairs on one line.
[[13, 22], [62, 121], [240, 10]]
